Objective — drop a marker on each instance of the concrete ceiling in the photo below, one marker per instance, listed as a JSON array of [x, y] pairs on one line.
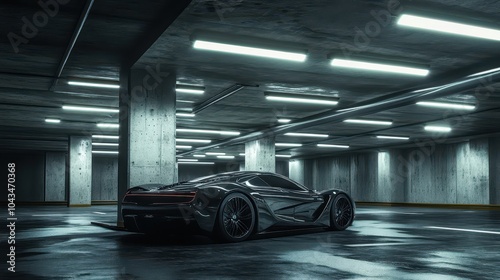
[[117, 31]]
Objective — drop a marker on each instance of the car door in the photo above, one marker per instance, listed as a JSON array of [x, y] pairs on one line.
[[302, 201]]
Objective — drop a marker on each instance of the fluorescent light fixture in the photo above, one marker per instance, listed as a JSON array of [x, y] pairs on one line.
[[187, 159], [302, 98], [368, 122], [485, 72], [108, 125], [215, 154], [333, 146], [199, 162], [288, 145], [221, 132], [90, 109], [106, 136], [199, 156], [188, 115], [99, 85], [306, 134], [437, 128], [185, 101], [105, 152], [193, 140], [236, 49], [283, 120], [449, 27], [392, 137], [52, 120], [105, 144], [284, 156], [226, 157], [190, 89], [446, 105], [371, 66], [242, 154], [183, 147]]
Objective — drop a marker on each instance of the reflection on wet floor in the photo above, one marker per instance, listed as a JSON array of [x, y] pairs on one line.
[[384, 243]]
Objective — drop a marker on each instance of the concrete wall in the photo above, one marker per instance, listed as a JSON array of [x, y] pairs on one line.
[[30, 174], [55, 176], [80, 170], [459, 173], [104, 178]]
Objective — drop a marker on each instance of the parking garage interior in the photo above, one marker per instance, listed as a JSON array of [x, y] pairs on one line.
[[394, 102]]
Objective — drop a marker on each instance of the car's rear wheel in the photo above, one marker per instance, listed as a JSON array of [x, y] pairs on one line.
[[342, 213], [236, 218]]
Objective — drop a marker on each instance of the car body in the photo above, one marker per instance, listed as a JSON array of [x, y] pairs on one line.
[[234, 206]]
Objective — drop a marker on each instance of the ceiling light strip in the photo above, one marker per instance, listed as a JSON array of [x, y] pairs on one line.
[[381, 67]]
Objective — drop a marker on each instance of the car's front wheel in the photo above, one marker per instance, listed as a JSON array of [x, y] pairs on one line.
[[236, 218], [342, 213]]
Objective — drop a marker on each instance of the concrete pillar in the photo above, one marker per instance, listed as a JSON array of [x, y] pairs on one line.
[[494, 169], [147, 129], [55, 176], [260, 155], [80, 170]]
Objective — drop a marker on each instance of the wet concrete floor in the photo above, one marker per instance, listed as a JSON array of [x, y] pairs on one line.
[[56, 242]]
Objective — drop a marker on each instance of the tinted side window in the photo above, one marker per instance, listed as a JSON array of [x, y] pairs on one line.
[[278, 182], [256, 182]]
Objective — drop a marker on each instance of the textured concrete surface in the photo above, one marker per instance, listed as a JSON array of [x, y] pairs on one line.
[[459, 173], [104, 178], [260, 155], [384, 243], [80, 170], [29, 175], [55, 176]]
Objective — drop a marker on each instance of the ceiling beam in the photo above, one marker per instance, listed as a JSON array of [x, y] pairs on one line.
[[390, 101]]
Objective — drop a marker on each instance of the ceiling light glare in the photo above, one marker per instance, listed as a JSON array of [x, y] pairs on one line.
[[190, 89], [196, 162], [288, 145], [449, 27], [221, 132], [108, 125], [371, 66], [284, 156], [187, 159], [225, 157], [193, 140], [368, 122], [333, 146], [89, 109], [106, 136], [52, 120], [183, 147], [105, 144], [236, 49], [199, 156], [306, 134], [437, 128], [98, 85], [215, 154], [242, 154], [187, 115], [105, 152], [302, 98], [446, 105], [393, 137], [283, 120]]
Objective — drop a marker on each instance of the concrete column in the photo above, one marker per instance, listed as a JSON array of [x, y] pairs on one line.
[[80, 170], [260, 155], [55, 176], [494, 166], [147, 129]]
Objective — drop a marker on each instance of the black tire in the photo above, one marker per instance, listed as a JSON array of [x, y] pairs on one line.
[[341, 213], [236, 218]]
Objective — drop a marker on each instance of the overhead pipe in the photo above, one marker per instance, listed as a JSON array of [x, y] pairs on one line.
[[76, 33], [378, 104], [218, 97]]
